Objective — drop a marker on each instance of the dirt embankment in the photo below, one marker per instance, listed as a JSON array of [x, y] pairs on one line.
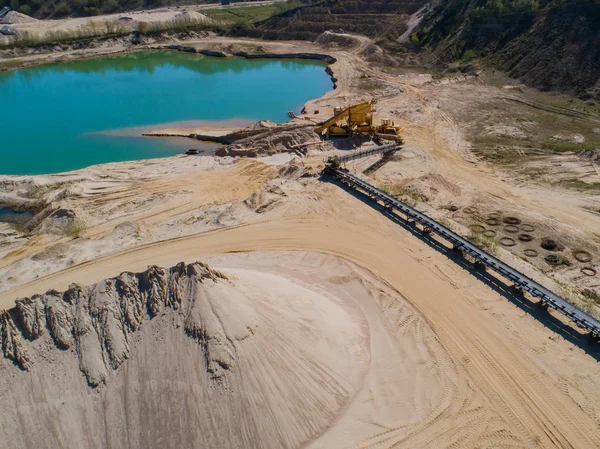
[[550, 46], [374, 19], [278, 361]]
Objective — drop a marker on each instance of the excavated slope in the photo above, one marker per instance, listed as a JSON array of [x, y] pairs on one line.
[[179, 357]]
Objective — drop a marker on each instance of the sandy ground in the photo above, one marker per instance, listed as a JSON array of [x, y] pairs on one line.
[[536, 389], [510, 374]]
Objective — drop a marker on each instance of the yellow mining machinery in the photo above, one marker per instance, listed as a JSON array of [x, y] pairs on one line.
[[359, 120]]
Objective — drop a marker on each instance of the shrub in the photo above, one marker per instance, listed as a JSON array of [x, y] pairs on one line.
[[478, 239], [61, 9], [469, 55], [74, 228]]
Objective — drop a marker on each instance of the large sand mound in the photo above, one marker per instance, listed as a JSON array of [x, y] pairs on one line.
[[192, 16], [274, 350], [180, 357], [17, 17]]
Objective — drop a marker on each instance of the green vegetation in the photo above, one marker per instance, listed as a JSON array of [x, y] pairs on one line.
[[544, 43], [478, 239], [38, 191], [83, 8], [250, 14], [402, 193], [445, 222], [20, 228], [568, 146], [591, 296], [74, 228], [10, 64], [223, 21], [64, 8], [367, 83], [581, 185], [503, 7], [469, 55]]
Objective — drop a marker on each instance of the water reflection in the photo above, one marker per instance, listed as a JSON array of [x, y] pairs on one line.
[[148, 62]]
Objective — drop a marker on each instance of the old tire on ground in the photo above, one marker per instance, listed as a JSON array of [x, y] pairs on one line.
[[526, 227], [507, 241], [512, 220], [530, 252], [588, 271], [582, 256], [490, 233], [511, 229], [525, 237], [492, 221], [494, 215], [552, 259], [476, 228], [469, 210]]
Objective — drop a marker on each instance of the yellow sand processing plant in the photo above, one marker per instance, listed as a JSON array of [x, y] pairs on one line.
[[359, 120]]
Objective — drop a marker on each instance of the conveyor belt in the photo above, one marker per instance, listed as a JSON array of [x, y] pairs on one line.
[[390, 147], [518, 279]]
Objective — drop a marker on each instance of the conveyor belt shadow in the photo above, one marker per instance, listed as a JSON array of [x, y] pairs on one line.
[[565, 330]]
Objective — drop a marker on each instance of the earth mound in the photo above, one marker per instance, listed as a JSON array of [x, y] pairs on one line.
[[17, 17], [176, 358]]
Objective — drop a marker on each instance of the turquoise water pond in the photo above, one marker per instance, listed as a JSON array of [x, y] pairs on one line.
[[14, 216], [67, 116]]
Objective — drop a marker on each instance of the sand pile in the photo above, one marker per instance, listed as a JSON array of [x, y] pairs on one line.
[[330, 39], [17, 17], [180, 357], [191, 17], [283, 139]]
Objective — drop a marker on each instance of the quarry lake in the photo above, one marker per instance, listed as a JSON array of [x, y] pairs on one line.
[[71, 115]]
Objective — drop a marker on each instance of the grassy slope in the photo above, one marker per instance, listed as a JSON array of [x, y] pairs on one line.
[[370, 18], [549, 45]]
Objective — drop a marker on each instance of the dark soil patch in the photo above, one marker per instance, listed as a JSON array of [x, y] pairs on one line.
[[551, 245]]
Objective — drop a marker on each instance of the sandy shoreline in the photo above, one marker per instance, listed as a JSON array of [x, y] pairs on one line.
[[184, 127]]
